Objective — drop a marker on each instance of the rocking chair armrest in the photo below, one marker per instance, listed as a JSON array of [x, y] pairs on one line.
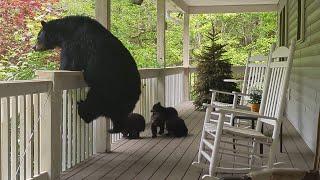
[[240, 93], [221, 92], [238, 112]]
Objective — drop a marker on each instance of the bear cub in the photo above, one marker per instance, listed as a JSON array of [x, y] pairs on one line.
[[134, 124], [167, 117]]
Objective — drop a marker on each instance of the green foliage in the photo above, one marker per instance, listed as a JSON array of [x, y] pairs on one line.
[[213, 68], [76, 7], [135, 26], [242, 32], [255, 96]]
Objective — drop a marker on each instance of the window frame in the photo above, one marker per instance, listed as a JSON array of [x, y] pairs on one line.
[[300, 21]]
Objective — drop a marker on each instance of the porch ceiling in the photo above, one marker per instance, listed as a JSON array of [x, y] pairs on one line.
[[226, 6]]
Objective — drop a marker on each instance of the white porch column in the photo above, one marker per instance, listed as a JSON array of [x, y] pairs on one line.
[[102, 139], [161, 23], [51, 140], [186, 59]]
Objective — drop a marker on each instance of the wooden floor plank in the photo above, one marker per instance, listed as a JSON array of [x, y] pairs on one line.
[[171, 158], [304, 150], [148, 157], [176, 155]]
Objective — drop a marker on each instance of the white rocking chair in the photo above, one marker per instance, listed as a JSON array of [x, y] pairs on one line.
[[256, 68], [271, 113]]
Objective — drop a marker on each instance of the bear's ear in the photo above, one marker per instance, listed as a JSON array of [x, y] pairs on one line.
[[43, 23]]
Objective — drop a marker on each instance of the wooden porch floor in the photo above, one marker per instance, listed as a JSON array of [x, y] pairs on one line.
[[171, 158]]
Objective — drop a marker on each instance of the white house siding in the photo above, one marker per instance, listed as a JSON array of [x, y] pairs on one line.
[[304, 94]]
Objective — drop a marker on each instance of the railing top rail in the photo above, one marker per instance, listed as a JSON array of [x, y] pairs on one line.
[[17, 88]]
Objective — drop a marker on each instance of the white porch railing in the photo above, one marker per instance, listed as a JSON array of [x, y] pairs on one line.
[[41, 132]]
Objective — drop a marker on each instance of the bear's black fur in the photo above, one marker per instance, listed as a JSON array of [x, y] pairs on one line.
[[108, 67], [159, 116], [167, 117], [134, 124]]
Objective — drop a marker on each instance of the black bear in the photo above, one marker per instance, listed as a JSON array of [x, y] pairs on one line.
[[134, 124], [168, 117], [108, 67]]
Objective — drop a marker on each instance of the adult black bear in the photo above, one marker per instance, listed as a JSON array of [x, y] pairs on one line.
[[134, 124], [108, 67], [168, 117]]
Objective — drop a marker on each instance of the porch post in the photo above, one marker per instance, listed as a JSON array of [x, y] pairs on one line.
[[186, 63], [161, 24], [103, 15], [51, 140]]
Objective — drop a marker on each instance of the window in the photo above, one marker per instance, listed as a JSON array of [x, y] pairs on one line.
[[300, 23], [283, 27]]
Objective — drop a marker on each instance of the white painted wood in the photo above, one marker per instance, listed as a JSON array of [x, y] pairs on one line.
[[78, 131], [69, 128], [257, 58], [82, 130], [22, 111], [103, 12], [13, 88], [41, 176], [5, 139], [181, 4], [161, 24], [29, 138], [74, 127], [50, 141], [271, 112], [36, 133], [14, 130], [100, 135], [64, 130], [186, 58], [281, 52]]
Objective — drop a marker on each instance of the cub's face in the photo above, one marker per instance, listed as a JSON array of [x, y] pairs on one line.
[[157, 107], [44, 40]]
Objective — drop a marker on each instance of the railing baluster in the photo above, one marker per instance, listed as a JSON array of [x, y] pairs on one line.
[[22, 134], [74, 126], [14, 131], [64, 130], [5, 141], [78, 131], [82, 126], [29, 140], [36, 135], [69, 129]]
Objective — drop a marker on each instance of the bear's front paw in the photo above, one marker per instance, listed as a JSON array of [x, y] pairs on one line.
[[154, 136], [161, 132], [114, 130]]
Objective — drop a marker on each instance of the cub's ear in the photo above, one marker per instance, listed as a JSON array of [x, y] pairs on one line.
[[43, 23], [158, 103]]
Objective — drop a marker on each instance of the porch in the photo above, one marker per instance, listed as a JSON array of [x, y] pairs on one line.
[[171, 158]]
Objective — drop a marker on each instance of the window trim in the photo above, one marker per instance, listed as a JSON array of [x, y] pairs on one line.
[[302, 21]]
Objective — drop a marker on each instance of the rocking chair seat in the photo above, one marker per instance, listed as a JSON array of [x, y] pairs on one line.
[[242, 132]]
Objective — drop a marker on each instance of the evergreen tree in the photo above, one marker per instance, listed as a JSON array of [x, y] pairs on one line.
[[211, 71]]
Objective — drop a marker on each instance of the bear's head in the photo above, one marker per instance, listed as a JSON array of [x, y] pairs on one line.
[[157, 107], [47, 38]]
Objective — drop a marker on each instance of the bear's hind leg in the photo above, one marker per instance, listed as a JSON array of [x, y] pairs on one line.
[[118, 125], [154, 130]]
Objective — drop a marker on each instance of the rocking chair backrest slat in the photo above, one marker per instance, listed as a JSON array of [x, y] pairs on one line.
[[255, 72], [276, 83]]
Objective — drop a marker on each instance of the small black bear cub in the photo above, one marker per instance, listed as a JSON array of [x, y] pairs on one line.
[[167, 117], [134, 124]]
